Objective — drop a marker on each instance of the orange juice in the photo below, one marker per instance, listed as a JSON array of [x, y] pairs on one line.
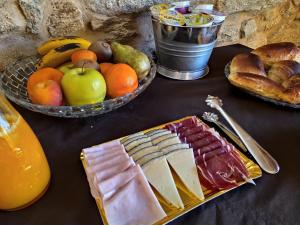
[[24, 170]]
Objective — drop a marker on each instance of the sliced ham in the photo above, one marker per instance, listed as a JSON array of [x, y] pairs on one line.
[[109, 172], [101, 147], [134, 203], [108, 156], [107, 164], [115, 182]]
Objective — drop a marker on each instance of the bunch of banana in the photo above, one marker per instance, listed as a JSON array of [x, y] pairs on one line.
[[59, 50]]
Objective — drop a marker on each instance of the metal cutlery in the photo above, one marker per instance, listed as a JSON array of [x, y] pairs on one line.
[[214, 118], [263, 158]]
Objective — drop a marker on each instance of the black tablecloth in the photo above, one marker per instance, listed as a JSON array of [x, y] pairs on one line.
[[274, 200]]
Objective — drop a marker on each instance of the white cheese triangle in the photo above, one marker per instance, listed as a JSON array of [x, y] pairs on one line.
[[159, 175], [183, 163]]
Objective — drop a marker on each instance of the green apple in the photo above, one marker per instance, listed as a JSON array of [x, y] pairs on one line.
[[66, 67], [83, 86]]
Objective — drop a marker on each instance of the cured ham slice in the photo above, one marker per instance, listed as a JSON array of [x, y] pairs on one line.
[[203, 142], [195, 137], [210, 147], [219, 164], [134, 203]]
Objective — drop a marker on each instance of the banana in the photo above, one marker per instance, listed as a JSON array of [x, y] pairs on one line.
[[60, 55], [57, 42]]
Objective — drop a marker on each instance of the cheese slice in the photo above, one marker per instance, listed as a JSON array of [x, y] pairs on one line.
[[137, 142], [139, 147], [144, 151], [130, 140], [159, 139], [174, 147], [149, 157], [131, 136], [160, 177], [183, 163], [169, 141], [156, 131]]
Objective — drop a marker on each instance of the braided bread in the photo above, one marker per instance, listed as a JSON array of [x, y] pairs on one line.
[[272, 71]]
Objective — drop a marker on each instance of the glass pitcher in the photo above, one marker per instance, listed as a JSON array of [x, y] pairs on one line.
[[24, 170]]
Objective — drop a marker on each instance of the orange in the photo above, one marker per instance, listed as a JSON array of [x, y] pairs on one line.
[[83, 54], [44, 74], [104, 68], [121, 80]]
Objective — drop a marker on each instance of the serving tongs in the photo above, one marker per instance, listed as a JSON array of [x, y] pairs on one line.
[[262, 157], [214, 118]]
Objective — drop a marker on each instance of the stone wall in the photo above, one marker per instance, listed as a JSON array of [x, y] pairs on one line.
[[26, 23]]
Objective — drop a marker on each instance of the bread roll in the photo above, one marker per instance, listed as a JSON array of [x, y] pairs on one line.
[[283, 70], [247, 63], [292, 92], [276, 52], [257, 84]]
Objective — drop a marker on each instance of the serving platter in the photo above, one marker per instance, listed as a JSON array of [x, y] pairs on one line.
[[189, 201], [13, 82], [266, 99]]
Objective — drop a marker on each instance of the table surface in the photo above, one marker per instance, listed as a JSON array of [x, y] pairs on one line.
[[274, 200]]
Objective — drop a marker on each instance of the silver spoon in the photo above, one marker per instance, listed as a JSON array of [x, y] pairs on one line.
[[213, 118], [263, 158]]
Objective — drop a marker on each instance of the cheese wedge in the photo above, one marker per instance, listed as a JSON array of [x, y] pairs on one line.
[[160, 177], [159, 139], [145, 151], [183, 163]]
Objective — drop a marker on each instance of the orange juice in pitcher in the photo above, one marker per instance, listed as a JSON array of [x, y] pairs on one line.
[[24, 170]]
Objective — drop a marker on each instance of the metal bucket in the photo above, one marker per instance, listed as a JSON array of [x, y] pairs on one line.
[[183, 52]]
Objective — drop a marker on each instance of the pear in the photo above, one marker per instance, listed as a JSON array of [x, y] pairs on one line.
[[134, 58]]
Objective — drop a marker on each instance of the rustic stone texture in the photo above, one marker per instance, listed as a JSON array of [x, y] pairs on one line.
[[65, 19], [248, 28], [249, 22], [33, 11], [242, 5], [7, 23], [113, 7]]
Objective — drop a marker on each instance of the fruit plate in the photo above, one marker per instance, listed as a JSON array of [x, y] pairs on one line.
[[13, 83], [276, 102], [189, 202]]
